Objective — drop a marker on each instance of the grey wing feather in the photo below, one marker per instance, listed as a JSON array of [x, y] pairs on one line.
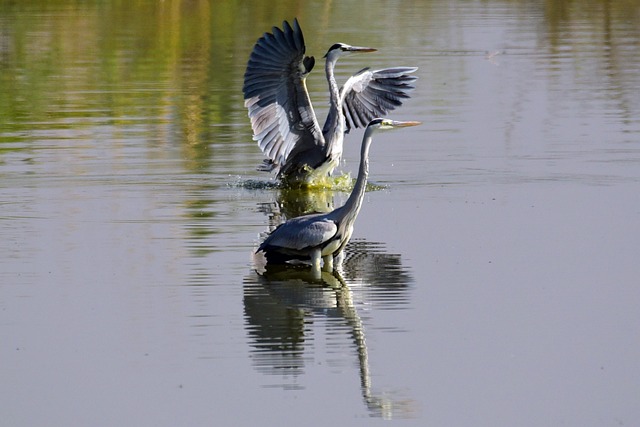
[[370, 94], [275, 94], [300, 233]]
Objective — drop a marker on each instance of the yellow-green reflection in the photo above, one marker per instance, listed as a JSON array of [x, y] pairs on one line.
[[175, 67]]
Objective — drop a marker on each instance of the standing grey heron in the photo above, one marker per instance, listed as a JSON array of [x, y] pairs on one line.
[[283, 121], [322, 236]]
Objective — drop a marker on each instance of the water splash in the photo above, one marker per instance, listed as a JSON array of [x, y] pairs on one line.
[[343, 182]]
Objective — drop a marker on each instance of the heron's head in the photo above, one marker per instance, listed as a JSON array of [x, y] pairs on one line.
[[340, 49], [386, 124]]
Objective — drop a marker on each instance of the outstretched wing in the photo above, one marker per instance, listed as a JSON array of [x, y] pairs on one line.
[[370, 94], [300, 233], [275, 94]]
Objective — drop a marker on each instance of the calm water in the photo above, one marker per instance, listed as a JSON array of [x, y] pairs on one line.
[[493, 280]]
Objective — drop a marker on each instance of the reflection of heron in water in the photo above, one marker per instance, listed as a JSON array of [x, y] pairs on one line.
[[319, 237], [297, 292], [283, 121], [292, 202]]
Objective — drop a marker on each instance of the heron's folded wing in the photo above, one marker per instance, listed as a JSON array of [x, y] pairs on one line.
[[302, 232], [370, 94], [275, 93]]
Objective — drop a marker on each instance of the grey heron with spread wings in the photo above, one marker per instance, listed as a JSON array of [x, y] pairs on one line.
[[282, 117], [323, 236]]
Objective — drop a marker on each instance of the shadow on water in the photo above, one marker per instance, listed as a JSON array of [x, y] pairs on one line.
[[282, 303]]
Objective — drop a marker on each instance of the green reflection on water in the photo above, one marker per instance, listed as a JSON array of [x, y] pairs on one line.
[[172, 70], [162, 69]]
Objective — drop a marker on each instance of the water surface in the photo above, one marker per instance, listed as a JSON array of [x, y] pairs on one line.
[[492, 277]]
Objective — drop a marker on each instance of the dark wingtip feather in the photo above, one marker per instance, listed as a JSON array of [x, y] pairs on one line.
[[309, 62]]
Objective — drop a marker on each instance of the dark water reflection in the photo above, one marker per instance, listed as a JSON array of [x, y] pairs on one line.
[[285, 305]]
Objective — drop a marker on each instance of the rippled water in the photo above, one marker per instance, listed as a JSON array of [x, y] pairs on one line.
[[492, 277]]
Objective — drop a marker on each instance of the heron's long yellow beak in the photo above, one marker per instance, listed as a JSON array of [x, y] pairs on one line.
[[362, 49], [399, 124]]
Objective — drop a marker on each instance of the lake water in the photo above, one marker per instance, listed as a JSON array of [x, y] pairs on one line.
[[492, 279]]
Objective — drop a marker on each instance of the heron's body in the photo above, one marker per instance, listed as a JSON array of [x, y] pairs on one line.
[[282, 117], [319, 237]]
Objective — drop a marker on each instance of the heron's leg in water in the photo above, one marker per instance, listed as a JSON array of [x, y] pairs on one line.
[[316, 257], [328, 263], [339, 259]]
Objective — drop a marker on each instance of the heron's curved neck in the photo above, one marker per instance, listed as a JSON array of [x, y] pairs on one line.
[[333, 129], [353, 204], [333, 126], [334, 92]]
